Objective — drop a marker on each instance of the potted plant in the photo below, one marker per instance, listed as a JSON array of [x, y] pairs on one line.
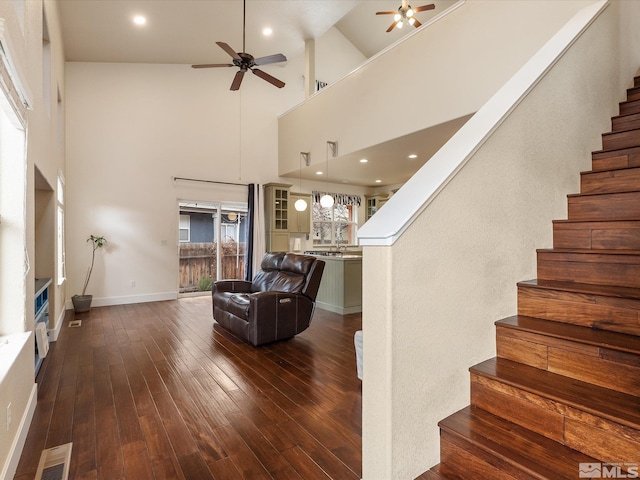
[[82, 302]]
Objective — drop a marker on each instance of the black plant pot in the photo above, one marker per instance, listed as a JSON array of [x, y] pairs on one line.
[[81, 303]]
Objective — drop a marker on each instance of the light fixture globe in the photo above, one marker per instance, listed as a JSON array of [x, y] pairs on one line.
[[326, 201], [300, 205]]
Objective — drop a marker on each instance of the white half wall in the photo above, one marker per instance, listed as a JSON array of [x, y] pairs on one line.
[[442, 71]]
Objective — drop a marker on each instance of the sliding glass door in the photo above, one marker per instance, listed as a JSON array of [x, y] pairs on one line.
[[212, 244]]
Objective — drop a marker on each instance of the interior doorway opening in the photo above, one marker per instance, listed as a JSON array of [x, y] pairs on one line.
[[212, 244]]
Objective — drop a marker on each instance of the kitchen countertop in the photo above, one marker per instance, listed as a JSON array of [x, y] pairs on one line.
[[329, 255]]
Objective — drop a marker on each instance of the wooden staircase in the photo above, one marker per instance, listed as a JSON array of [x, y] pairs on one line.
[[564, 389]]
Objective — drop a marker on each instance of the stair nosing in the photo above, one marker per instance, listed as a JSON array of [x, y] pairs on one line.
[[569, 221], [592, 194], [617, 117], [616, 132], [590, 251], [586, 404]]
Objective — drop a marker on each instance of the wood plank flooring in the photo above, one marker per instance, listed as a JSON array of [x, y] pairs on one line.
[[157, 391]]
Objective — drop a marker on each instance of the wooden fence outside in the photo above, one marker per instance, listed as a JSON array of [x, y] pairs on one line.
[[198, 264]]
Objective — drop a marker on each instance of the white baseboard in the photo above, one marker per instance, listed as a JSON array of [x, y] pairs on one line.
[[11, 466], [337, 309], [54, 333], [110, 301]]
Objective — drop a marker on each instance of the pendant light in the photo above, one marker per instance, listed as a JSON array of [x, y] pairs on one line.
[[301, 203], [327, 200]]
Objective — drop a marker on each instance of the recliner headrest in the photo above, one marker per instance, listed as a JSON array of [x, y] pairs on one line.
[[300, 264], [272, 261]]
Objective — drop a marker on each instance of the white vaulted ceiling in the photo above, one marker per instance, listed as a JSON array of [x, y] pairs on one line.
[[185, 31]]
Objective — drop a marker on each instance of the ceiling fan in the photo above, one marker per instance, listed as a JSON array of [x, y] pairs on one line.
[[404, 14], [246, 61]]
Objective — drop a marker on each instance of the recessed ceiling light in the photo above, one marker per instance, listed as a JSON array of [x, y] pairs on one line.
[[363, 160], [413, 155], [318, 173], [139, 20], [267, 31], [378, 181]]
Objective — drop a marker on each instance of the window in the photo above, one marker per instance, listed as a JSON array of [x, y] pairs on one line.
[[14, 262], [185, 228], [336, 225], [60, 230]]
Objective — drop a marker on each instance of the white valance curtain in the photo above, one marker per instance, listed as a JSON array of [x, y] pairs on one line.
[[339, 198]]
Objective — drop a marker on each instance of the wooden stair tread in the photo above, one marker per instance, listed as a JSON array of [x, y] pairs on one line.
[[613, 134], [616, 152], [618, 169], [622, 123], [537, 456], [616, 406], [589, 251], [586, 288], [628, 106], [627, 116], [575, 333]]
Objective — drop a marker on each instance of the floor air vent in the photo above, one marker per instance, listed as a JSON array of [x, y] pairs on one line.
[[54, 463]]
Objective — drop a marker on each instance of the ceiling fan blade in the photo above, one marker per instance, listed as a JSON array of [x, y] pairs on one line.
[[237, 80], [268, 78], [212, 65], [278, 57], [228, 49], [424, 7], [387, 13], [393, 25], [416, 23]]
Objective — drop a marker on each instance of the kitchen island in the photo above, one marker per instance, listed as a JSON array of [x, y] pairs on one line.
[[341, 286]]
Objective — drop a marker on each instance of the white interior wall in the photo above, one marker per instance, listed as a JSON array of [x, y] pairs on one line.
[[335, 56], [130, 129], [433, 296]]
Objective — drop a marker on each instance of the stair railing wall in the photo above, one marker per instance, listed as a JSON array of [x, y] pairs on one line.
[[441, 261]]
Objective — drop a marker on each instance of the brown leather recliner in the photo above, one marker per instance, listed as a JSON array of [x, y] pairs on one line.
[[276, 305]]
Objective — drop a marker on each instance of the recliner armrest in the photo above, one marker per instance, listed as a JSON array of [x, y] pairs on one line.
[[275, 306], [239, 286]]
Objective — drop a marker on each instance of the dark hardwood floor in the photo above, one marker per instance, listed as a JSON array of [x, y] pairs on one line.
[[156, 391]]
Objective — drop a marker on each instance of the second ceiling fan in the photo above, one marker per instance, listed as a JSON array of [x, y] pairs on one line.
[[405, 14], [246, 61]]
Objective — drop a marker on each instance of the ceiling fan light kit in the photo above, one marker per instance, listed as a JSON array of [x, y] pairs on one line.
[[405, 14], [245, 61]]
